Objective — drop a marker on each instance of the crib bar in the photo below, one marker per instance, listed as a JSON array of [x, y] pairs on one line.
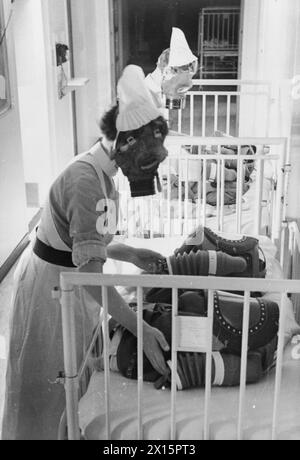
[[290, 253], [212, 156], [180, 121], [279, 195], [240, 180], [222, 194], [152, 219], [228, 112], [174, 362], [232, 30], [203, 115], [91, 347], [106, 361], [169, 198], [141, 208], [184, 282], [258, 198], [192, 114], [218, 188], [199, 190], [140, 360], [180, 211], [279, 364], [230, 82], [245, 333], [225, 93], [186, 196], [204, 184], [208, 364], [70, 359], [219, 28], [198, 140], [284, 231], [216, 112]]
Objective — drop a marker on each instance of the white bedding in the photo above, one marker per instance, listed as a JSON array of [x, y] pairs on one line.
[[190, 409]]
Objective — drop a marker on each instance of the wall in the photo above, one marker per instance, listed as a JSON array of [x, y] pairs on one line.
[[60, 111], [294, 188], [92, 58], [269, 51], [13, 226], [31, 77]]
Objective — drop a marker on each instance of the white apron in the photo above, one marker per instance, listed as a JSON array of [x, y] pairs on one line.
[[33, 403]]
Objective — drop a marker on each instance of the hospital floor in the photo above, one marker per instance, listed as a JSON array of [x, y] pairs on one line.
[[5, 304]]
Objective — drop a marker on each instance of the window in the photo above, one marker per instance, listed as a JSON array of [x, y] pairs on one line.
[[5, 101]]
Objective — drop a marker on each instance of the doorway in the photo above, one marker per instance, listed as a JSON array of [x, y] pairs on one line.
[[146, 28]]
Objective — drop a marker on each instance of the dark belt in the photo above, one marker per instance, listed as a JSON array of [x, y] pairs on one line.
[[51, 255]]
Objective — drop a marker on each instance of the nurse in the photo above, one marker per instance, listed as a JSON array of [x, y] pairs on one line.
[[69, 237]]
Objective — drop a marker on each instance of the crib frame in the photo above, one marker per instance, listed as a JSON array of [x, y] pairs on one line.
[[69, 280], [208, 94], [165, 225], [218, 38]]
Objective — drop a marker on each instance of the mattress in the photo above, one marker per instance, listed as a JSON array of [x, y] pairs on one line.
[[257, 418]]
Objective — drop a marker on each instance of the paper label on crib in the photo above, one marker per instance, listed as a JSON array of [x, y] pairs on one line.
[[193, 333], [2, 88]]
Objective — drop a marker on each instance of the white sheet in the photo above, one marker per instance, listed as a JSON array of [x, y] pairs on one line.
[[190, 409]]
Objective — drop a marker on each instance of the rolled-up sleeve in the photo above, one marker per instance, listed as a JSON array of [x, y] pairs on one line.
[[83, 212]]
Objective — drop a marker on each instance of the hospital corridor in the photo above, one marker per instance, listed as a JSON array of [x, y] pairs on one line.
[[149, 221]]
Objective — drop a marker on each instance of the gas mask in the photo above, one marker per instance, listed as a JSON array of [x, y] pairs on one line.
[[173, 75], [139, 152], [176, 83]]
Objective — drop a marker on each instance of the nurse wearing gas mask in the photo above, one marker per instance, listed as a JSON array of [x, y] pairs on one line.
[[72, 236], [172, 78]]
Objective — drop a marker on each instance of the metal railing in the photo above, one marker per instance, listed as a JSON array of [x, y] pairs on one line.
[[164, 215], [180, 339], [215, 105]]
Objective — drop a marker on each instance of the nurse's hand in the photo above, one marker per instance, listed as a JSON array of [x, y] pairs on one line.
[[147, 260], [154, 343]]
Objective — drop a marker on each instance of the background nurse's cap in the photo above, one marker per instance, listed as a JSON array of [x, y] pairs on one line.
[[180, 52], [136, 107]]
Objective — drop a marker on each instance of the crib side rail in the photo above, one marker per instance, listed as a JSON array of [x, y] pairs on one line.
[[70, 280], [189, 162], [290, 259], [214, 104]]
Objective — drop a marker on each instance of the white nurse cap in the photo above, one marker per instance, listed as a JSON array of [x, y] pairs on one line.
[[180, 52], [136, 107]]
